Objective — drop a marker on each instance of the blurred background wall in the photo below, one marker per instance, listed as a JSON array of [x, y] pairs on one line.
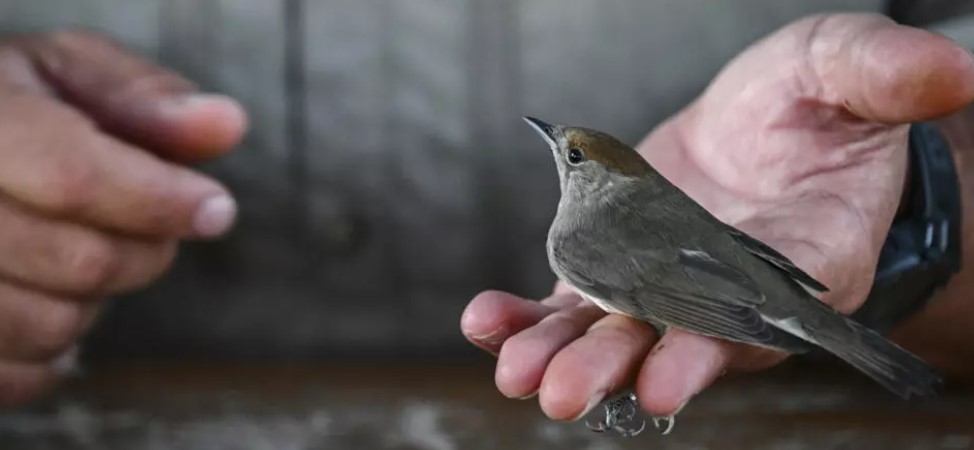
[[388, 177]]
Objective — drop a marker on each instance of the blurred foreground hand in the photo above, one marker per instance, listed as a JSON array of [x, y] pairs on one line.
[[93, 194]]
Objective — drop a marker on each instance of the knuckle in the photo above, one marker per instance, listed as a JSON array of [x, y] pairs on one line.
[[170, 211], [147, 79], [90, 263], [134, 75], [572, 319], [70, 182], [622, 331], [24, 111], [77, 37]]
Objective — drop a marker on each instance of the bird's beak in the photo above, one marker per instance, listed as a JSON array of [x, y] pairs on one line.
[[545, 129]]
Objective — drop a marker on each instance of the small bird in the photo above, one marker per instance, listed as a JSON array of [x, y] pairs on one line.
[[631, 242]]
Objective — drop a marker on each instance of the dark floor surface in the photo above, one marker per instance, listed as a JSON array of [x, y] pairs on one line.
[[440, 406]]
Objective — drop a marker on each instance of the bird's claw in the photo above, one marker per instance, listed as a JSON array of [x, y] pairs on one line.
[[619, 412], [669, 422]]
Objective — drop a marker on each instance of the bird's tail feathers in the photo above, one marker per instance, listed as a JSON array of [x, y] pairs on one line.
[[895, 368]]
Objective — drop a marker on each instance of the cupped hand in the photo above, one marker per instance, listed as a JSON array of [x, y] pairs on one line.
[[801, 142], [92, 199]]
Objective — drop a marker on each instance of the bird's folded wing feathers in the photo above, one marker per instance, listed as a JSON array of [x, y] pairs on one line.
[[688, 289], [708, 316], [720, 301], [765, 252], [722, 280], [704, 296]]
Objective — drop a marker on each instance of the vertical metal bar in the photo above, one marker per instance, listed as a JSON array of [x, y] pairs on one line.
[[296, 139]]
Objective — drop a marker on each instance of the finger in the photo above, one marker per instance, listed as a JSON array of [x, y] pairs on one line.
[[561, 299], [524, 357], [595, 365], [680, 366], [22, 382], [492, 317], [134, 98], [887, 72], [562, 288], [69, 258], [37, 327], [81, 174], [683, 364]]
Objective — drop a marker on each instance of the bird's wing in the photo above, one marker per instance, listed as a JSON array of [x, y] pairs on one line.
[[710, 316], [723, 280], [765, 252], [696, 310], [689, 289]]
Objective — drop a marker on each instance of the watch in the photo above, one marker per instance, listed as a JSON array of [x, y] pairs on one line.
[[923, 249]]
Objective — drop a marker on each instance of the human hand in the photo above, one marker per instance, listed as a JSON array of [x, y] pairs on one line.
[[93, 199], [801, 142]]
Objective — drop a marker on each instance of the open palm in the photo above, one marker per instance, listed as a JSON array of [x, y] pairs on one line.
[[801, 142]]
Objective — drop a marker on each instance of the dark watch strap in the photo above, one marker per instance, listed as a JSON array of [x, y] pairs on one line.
[[923, 249]]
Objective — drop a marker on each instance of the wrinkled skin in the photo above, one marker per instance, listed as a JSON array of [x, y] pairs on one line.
[[799, 141], [94, 196]]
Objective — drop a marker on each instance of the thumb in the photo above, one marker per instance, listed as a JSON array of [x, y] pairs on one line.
[[135, 99], [889, 73]]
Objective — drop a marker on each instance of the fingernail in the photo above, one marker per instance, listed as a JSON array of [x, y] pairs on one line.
[[529, 396], [215, 216], [593, 401], [489, 338], [209, 103], [196, 99]]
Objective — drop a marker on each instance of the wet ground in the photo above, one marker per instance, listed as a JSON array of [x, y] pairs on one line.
[[441, 406]]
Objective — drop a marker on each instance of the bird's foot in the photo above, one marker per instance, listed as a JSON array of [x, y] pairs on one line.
[[620, 413]]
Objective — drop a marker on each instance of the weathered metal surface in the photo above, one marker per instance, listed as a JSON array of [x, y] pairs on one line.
[[438, 406]]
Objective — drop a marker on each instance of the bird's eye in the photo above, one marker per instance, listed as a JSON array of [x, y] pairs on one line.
[[575, 156]]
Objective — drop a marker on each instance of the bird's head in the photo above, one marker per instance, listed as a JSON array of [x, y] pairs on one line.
[[589, 161]]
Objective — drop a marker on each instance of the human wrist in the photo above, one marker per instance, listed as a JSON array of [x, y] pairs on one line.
[[958, 131], [941, 332], [922, 249]]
